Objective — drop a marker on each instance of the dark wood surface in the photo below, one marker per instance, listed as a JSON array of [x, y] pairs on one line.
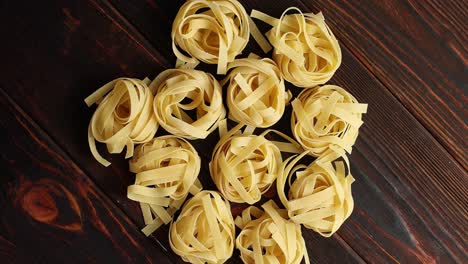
[[405, 58]]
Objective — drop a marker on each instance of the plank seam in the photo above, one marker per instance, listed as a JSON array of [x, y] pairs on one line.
[[67, 156], [361, 62], [423, 208], [145, 45]]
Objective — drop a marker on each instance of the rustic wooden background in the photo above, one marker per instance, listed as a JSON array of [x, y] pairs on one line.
[[405, 58]]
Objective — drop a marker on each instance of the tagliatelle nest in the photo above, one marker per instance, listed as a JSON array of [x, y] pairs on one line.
[[123, 118], [305, 49], [188, 103], [204, 232], [166, 171], [244, 166], [326, 116], [267, 237], [255, 92], [214, 32], [319, 195]]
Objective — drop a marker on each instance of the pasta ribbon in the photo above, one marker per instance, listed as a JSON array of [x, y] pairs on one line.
[[166, 171], [123, 118], [244, 166], [204, 231], [268, 237], [214, 32], [319, 196], [179, 91], [326, 116], [255, 93], [305, 49]]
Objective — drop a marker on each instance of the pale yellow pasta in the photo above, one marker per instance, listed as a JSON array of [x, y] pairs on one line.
[[123, 118], [204, 232], [255, 92], [188, 103], [212, 31], [268, 237], [305, 49], [326, 116], [319, 194], [244, 166], [166, 170]]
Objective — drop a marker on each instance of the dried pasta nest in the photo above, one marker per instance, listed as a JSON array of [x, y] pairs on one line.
[[188, 103], [123, 117], [319, 195], [243, 167], [214, 32], [305, 49], [204, 232], [166, 171], [267, 237], [255, 93], [326, 116]]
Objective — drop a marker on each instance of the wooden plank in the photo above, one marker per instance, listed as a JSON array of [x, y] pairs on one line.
[[70, 133], [50, 208], [416, 49], [7, 251], [404, 174]]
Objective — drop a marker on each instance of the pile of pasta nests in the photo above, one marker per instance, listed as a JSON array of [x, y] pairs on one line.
[[188, 104]]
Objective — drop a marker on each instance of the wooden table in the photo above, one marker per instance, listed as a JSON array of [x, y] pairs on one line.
[[405, 58]]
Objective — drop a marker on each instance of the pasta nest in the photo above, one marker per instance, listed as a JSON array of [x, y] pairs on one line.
[[204, 231], [319, 195], [267, 237], [255, 93], [214, 32], [123, 117], [305, 49], [166, 171], [243, 167], [326, 116], [179, 91]]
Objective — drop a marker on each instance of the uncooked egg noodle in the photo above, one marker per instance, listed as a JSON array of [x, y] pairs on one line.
[[188, 104], [268, 237], [319, 194], [305, 49], [214, 32], [256, 94], [326, 116], [182, 90], [124, 116], [244, 166], [204, 232], [167, 171]]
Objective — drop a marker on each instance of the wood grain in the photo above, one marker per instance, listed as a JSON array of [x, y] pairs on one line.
[[417, 50], [7, 251], [51, 211], [410, 198]]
